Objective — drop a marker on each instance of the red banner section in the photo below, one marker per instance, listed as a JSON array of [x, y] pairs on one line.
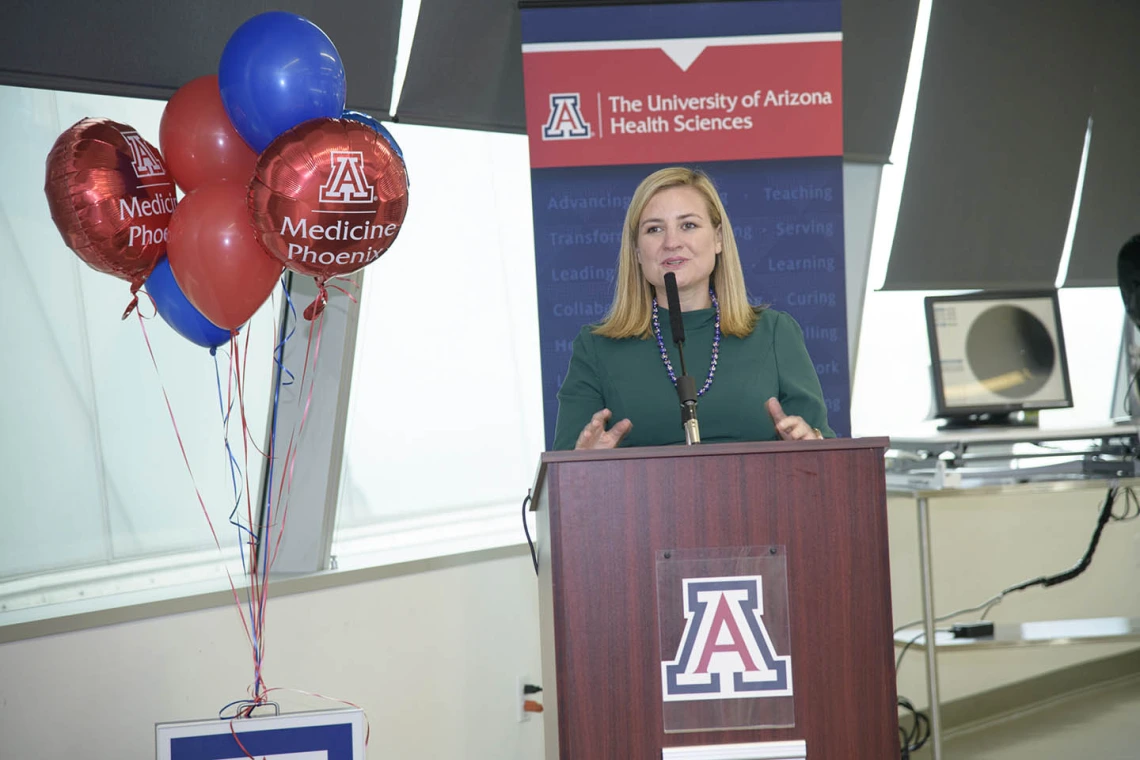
[[770, 99]]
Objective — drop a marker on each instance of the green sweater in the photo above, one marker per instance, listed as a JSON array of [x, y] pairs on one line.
[[629, 378]]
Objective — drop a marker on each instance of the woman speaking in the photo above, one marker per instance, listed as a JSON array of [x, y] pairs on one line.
[[754, 378]]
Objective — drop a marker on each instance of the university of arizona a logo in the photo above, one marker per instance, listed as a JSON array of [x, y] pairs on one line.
[[565, 121], [347, 183], [725, 651], [143, 159]]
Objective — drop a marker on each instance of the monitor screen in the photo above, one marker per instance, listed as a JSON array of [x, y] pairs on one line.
[[996, 353]]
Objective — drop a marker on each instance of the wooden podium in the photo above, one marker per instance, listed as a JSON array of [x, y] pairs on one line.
[[604, 520]]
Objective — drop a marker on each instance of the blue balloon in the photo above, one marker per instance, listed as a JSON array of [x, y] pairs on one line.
[[179, 313], [277, 70], [364, 118]]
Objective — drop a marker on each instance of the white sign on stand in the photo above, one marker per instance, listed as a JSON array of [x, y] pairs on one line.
[[320, 735]]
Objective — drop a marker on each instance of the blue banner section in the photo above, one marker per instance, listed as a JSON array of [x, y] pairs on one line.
[[679, 20], [787, 216], [335, 739]]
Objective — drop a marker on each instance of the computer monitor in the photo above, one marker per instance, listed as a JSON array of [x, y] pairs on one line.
[[995, 355]]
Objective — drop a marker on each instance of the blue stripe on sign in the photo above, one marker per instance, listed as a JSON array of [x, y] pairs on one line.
[[679, 20], [335, 739]]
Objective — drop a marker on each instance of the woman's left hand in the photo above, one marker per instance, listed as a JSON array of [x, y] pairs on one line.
[[790, 427]]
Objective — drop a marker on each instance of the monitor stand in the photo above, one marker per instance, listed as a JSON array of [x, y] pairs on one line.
[[990, 420]]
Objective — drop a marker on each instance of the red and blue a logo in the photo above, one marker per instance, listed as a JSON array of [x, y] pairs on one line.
[[725, 651], [565, 121]]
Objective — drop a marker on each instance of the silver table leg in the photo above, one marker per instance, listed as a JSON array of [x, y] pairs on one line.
[[928, 626]]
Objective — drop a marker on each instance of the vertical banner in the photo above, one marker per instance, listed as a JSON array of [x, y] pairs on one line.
[[749, 92]]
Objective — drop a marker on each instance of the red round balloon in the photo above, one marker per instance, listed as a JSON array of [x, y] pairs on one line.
[[215, 256], [110, 197], [197, 139], [328, 197]]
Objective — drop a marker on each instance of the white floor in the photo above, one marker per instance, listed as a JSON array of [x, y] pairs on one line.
[[1099, 724]]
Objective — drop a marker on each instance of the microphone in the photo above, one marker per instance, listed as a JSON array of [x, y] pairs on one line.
[[686, 386], [676, 322]]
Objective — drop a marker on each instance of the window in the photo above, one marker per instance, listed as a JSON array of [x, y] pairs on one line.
[[445, 421], [97, 499], [892, 390], [444, 429]]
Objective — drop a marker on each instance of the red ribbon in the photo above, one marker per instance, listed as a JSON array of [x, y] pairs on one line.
[[135, 285], [197, 492], [317, 307]]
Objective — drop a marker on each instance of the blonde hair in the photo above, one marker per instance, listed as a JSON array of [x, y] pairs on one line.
[[631, 312]]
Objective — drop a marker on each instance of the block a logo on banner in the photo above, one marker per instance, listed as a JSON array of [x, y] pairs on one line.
[[566, 121], [347, 183], [725, 651]]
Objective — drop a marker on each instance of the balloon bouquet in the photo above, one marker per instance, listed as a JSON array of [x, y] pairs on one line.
[[277, 175]]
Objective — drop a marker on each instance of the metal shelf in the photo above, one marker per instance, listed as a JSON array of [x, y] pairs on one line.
[[1044, 632], [963, 464]]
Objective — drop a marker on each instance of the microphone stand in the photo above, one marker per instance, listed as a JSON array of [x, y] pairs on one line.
[[687, 393]]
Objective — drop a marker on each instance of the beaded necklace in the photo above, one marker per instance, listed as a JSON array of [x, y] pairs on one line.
[[715, 345]]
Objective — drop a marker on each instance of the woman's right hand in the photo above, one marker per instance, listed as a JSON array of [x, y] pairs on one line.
[[595, 435]]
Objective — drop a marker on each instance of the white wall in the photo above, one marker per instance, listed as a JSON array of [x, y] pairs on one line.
[[431, 657]]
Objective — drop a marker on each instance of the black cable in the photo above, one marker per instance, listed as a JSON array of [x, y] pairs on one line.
[[1080, 567], [921, 731], [912, 740], [898, 662], [1130, 503], [1128, 393], [951, 615], [909, 644], [526, 530]]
